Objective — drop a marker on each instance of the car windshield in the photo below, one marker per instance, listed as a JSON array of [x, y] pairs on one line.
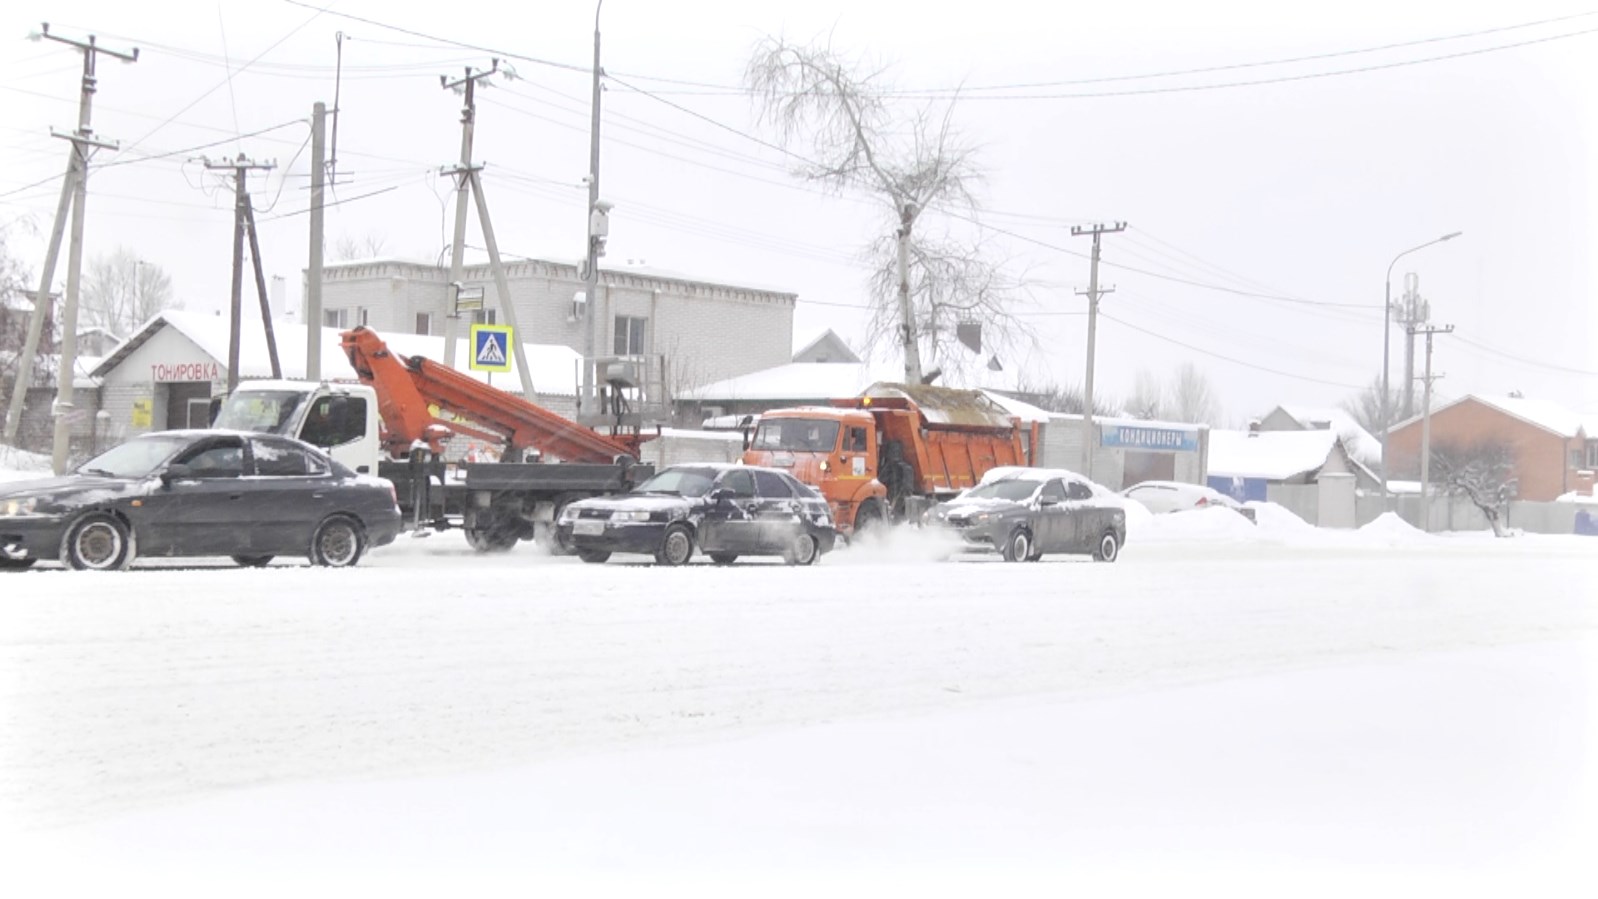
[[1015, 490], [803, 435], [137, 458], [680, 481], [263, 411]]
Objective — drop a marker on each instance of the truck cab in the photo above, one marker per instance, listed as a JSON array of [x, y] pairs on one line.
[[834, 450], [340, 418]]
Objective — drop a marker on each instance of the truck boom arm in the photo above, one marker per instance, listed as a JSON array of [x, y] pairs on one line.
[[407, 386]]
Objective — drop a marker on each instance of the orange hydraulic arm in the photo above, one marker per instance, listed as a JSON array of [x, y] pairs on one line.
[[407, 386]]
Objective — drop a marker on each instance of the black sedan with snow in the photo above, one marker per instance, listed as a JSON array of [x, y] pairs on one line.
[[198, 493], [724, 511]]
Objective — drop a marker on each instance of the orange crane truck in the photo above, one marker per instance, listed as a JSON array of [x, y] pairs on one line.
[[409, 408], [893, 453]]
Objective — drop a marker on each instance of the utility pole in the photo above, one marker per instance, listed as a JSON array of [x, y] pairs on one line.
[[313, 284], [1411, 313], [457, 248], [241, 168], [83, 144], [1426, 427], [1093, 324], [907, 325], [595, 242], [42, 303]]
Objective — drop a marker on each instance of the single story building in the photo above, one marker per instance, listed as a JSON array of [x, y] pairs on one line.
[[1555, 449]]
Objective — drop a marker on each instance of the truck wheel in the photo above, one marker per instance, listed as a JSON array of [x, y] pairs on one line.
[[677, 547], [593, 556], [867, 518], [491, 540], [338, 542], [251, 561], [1017, 546], [98, 542], [1109, 548], [724, 558], [804, 550]]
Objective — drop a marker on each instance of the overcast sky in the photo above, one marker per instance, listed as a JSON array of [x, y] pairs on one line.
[[1303, 188]]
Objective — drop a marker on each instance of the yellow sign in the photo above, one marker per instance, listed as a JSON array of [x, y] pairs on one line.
[[143, 412]]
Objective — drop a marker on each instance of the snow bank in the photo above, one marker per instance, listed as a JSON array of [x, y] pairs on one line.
[[1277, 517], [21, 465], [1389, 527], [1207, 525]]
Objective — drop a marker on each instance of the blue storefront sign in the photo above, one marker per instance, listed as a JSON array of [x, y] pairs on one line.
[[1138, 437], [1241, 489]]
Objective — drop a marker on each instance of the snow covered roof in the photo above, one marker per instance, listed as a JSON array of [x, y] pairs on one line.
[[1545, 414], [1272, 455], [1022, 410], [830, 343], [49, 363], [479, 260], [795, 381], [554, 367], [16, 301], [1359, 442]]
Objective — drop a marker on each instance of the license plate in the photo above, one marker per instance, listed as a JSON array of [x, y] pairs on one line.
[[589, 528]]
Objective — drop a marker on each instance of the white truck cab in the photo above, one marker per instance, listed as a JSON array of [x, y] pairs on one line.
[[339, 418]]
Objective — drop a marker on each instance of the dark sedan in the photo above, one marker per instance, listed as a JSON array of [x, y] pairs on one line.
[[198, 493], [1023, 513], [725, 511]]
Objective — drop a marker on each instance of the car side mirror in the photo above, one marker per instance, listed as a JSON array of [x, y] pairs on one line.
[[721, 495], [1047, 501], [177, 472]]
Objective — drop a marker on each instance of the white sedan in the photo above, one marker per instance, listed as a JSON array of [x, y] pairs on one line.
[[1160, 497]]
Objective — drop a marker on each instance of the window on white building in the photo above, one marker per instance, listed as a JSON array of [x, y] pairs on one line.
[[424, 322], [630, 335], [360, 316], [484, 317], [335, 318]]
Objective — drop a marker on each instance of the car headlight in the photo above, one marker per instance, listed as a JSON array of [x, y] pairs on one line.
[[19, 506], [630, 516], [568, 514]]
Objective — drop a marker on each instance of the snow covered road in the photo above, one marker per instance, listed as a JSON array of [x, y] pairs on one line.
[[125, 693]]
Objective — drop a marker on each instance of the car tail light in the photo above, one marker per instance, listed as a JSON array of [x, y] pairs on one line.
[[1203, 501]]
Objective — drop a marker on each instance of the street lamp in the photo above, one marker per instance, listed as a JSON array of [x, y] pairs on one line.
[[1387, 329]]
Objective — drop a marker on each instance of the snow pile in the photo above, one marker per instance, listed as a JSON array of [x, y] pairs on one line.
[[1208, 525], [1275, 517], [21, 465], [1390, 528]]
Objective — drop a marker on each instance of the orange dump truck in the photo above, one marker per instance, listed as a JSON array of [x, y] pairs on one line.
[[892, 453]]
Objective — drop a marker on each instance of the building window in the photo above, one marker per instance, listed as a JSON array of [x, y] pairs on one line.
[[360, 316], [630, 335], [424, 322], [1592, 454], [335, 318], [484, 317]]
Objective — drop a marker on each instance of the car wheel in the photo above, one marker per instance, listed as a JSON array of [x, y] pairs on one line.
[[803, 551], [338, 542], [1037, 555], [98, 542], [252, 561], [593, 556], [16, 564], [1017, 546], [677, 547], [724, 558], [1109, 548]]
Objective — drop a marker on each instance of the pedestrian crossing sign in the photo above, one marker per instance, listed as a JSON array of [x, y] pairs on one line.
[[491, 347]]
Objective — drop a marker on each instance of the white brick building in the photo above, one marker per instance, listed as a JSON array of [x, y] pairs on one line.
[[705, 331]]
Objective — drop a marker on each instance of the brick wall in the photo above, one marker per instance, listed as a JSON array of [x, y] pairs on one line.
[[1542, 459]]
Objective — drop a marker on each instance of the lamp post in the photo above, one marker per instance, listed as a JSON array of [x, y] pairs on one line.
[[1387, 329]]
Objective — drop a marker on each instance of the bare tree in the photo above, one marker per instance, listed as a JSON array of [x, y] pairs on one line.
[[1482, 472], [15, 310], [912, 163], [1366, 407], [120, 293], [1069, 398], [1192, 397], [349, 248], [1148, 397]]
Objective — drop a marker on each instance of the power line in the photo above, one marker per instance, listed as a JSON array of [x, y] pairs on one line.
[[1226, 358], [1523, 360]]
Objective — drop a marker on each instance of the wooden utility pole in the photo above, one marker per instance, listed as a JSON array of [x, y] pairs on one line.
[[1426, 426], [77, 182], [242, 217], [1093, 294], [907, 317]]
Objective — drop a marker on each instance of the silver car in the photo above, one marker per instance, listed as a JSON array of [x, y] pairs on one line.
[[1022, 514], [1161, 497]]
